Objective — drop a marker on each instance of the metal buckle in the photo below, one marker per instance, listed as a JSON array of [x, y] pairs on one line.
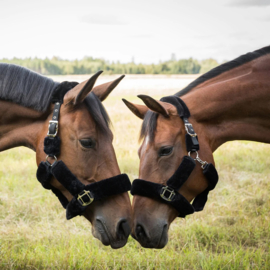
[[170, 191], [56, 128], [187, 125], [86, 193]]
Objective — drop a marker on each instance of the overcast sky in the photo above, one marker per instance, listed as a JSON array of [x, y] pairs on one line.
[[146, 30]]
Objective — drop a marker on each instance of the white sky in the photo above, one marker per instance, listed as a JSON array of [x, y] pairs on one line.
[[148, 30]]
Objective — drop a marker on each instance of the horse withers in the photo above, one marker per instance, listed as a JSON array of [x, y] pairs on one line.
[[79, 165], [180, 134]]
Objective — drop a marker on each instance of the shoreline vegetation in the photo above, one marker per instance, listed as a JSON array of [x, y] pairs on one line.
[[89, 65]]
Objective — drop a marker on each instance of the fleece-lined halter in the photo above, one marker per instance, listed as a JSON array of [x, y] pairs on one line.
[[169, 194], [83, 195]]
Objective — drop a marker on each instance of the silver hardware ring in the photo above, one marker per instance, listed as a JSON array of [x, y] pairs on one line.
[[55, 159]]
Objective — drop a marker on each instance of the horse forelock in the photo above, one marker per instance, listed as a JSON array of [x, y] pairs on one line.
[[149, 125], [98, 113]]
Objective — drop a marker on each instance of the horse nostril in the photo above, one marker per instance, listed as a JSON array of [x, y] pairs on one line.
[[123, 228], [140, 232]]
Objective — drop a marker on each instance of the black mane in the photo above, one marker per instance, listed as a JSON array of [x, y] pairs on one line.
[[224, 67], [150, 120], [30, 89], [25, 87]]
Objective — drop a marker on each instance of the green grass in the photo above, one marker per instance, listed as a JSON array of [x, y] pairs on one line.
[[233, 232]]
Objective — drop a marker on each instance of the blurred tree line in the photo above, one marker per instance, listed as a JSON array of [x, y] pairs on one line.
[[88, 65]]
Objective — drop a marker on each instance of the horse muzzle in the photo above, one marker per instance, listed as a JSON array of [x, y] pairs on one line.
[[116, 236], [156, 237]]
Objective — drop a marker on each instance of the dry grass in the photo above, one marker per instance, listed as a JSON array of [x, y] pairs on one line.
[[233, 232]]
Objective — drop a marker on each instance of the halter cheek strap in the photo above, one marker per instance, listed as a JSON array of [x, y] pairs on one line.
[[169, 194], [84, 195]]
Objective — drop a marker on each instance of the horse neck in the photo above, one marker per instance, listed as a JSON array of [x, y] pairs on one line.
[[19, 126], [234, 106]]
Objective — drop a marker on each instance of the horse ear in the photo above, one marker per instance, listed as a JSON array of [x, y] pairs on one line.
[[154, 105], [103, 90], [138, 110], [88, 86]]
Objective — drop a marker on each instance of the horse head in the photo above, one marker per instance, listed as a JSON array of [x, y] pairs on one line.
[[87, 151], [161, 152]]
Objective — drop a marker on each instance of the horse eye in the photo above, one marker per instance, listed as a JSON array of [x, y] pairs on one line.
[[165, 151], [88, 143]]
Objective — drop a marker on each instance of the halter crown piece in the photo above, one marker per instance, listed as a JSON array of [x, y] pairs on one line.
[[169, 194], [84, 195]]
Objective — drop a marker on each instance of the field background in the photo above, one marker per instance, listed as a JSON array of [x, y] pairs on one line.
[[233, 232]]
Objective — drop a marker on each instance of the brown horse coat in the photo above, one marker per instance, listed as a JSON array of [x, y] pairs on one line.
[[230, 102]]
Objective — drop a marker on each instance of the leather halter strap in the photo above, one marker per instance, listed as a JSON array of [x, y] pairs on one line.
[[169, 194], [84, 195]]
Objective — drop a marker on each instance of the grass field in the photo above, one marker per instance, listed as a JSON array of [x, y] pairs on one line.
[[233, 232]]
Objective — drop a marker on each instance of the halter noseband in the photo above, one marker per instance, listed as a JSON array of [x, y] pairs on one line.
[[84, 195], [169, 194]]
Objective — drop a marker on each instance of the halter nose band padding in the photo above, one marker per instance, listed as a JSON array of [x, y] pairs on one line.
[[98, 190], [154, 190]]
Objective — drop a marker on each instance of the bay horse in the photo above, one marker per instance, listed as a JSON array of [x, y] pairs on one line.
[[230, 102], [83, 133]]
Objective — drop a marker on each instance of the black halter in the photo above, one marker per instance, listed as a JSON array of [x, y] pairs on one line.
[[83, 195], [169, 194]]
